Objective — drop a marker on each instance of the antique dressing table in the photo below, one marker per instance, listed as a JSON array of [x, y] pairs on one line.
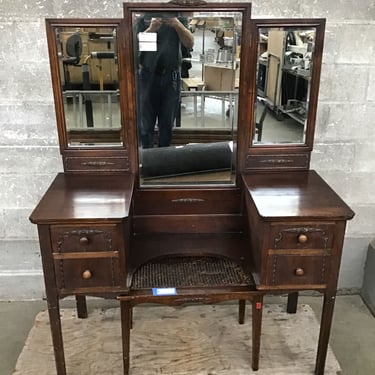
[[221, 214]]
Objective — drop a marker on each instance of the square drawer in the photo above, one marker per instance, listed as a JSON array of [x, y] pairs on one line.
[[297, 270], [302, 236], [68, 239], [87, 273]]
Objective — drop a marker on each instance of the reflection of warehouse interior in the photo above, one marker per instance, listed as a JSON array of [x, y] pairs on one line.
[[283, 77], [89, 76]]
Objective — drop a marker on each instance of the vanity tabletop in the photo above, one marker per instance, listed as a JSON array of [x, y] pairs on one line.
[[85, 197], [297, 195]]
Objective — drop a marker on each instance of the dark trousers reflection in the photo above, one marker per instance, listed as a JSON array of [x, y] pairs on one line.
[[159, 96]]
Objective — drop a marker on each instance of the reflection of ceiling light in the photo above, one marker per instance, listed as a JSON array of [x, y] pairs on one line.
[[98, 200]]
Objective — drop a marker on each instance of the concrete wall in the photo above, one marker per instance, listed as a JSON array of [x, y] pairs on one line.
[[344, 151]]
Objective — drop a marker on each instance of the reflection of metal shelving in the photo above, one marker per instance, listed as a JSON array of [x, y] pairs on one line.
[[217, 56], [229, 116], [284, 87], [76, 110]]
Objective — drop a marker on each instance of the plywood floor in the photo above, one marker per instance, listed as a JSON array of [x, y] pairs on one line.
[[195, 340]]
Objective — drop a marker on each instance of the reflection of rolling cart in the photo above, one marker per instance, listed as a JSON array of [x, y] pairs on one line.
[[283, 86], [295, 93]]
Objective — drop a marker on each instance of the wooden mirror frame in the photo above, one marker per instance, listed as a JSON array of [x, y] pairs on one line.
[[113, 159], [276, 157]]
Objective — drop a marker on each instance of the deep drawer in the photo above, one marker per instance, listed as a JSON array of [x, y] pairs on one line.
[[83, 239], [305, 236], [87, 273], [297, 270]]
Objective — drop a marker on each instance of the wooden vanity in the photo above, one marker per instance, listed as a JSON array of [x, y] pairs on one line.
[[267, 224]]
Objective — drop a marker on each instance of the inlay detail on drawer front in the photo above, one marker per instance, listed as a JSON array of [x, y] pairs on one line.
[[302, 237], [297, 270], [82, 240], [87, 273]]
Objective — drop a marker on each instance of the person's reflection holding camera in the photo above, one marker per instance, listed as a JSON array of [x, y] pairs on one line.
[[159, 77]]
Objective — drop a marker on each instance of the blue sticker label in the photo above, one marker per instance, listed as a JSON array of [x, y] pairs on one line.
[[164, 291]]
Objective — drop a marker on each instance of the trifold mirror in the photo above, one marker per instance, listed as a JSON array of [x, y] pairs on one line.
[[185, 92]]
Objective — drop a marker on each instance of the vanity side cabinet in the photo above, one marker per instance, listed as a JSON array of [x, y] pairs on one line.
[[297, 227], [88, 257], [293, 255], [84, 229]]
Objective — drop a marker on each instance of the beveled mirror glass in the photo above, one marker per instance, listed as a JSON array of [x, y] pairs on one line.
[[86, 55], [283, 79], [287, 76], [187, 67]]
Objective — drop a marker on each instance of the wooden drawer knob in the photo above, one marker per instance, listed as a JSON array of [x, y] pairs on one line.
[[299, 272], [302, 238], [86, 274], [84, 240]]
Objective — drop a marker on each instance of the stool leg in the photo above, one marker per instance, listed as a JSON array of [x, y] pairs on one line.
[[257, 307], [125, 329], [241, 311]]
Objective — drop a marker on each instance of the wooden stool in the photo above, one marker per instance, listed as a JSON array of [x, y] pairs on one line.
[[190, 279]]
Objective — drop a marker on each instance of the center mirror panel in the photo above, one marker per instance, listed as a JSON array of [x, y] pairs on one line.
[[187, 67]]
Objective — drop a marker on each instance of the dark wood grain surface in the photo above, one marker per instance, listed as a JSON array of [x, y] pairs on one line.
[[85, 197], [298, 194]]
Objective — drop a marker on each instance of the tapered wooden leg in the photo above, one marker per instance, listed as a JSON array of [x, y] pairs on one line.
[[131, 317], [241, 311], [257, 308], [291, 307], [125, 329], [57, 340], [325, 329], [52, 298], [81, 307]]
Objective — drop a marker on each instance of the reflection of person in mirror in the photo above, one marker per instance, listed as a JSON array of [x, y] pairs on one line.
[[159, 77]]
